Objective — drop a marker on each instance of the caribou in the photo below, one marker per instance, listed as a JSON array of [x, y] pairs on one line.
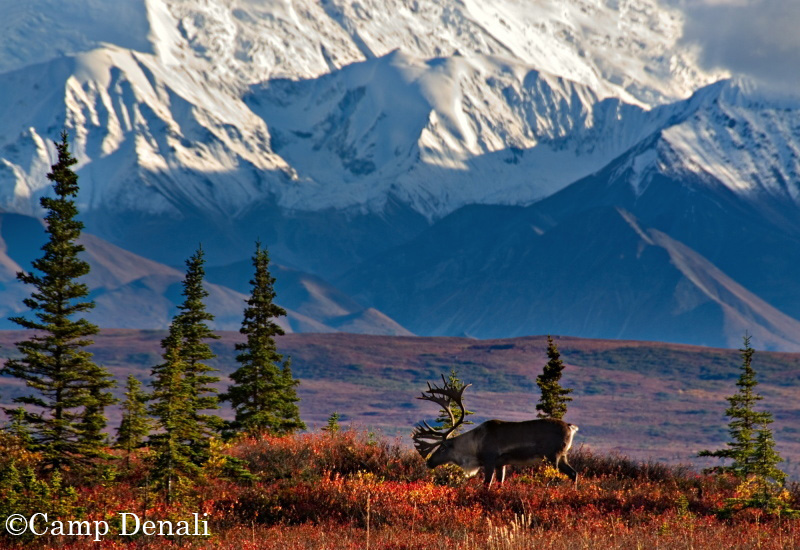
[[493, 445]]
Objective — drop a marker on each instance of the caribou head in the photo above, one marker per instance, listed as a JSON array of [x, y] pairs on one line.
[[494, 444], [434, 445]]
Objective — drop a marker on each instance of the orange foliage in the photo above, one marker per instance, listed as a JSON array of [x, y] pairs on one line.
[[350, 491]]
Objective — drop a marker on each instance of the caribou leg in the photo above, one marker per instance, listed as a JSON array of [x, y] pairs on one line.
[[565, 468], [489, 471], [500, 473], [488, 476]]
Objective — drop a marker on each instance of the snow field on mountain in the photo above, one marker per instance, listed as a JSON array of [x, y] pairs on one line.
[[156, 107]]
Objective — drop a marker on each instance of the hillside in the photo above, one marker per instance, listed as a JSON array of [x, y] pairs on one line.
[[644, 399], [130, 291]]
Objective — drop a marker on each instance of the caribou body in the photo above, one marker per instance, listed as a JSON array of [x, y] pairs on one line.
[[495, 444]]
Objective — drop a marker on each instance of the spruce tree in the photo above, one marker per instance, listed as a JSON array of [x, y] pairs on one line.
[[263, 395], [744, 420], [443, 419], [173, 457], [19, 427], [333, 425], [135, 425], [765, 467], [195, 352], [91, 429], [554, 398], [68, 388]]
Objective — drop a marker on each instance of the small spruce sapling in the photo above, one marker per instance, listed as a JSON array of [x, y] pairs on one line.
[[172, 457], [19, 427], [554, 398], [135, 425], [333, 423], [769, 478], [444, 419], [751, 451]]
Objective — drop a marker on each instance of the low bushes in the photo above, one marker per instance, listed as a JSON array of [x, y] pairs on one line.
[[352, 490]]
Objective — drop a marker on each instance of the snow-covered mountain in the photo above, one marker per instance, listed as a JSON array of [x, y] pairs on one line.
[[746, 137], [653, 246], [342, 132], [156, 111], [149, 138], [616, 47], [431, 133]]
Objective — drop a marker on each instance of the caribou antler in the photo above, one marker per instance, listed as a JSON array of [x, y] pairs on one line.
[[426, 438]]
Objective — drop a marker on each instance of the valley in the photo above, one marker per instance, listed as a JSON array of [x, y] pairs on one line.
[[645, 400]]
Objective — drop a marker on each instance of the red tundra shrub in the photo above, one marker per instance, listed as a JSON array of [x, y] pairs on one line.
[[314, 455], [350, 491]]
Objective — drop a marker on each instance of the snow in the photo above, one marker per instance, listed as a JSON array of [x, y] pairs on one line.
[[36, 31], [213, 105], [129, 113], [616, 47], [628, 48], [747, 138], [642, 165], [434, 132]]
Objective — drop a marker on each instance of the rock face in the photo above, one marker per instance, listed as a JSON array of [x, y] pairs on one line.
[[455, 167]]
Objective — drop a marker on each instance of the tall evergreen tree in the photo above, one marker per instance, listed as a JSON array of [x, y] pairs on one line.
[[745, 423], [195, 352], [173, 456], [70, 389], [263, 394], [554, 398], [135, 425]]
